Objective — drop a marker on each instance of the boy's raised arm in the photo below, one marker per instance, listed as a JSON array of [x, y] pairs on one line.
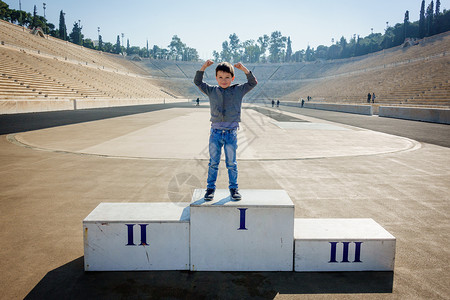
[[198, 79], [241, 67], [206, 64]]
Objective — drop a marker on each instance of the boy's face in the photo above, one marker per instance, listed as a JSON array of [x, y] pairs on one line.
[[224, 79]]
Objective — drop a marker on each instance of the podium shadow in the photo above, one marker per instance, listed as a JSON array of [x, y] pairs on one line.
[[71, 282]]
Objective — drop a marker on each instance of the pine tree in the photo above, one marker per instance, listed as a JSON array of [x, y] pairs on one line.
[[429, 19], [437, 17], [34, 23], [75, 36], [422, 20], [405, 24], [62, 27], [289, 50], [100, 43], [118, 49]]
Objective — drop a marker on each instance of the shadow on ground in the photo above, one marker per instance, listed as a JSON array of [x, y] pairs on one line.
[[71, 282], [13, 123]]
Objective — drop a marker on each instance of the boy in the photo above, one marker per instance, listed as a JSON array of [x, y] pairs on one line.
[[225, 106]]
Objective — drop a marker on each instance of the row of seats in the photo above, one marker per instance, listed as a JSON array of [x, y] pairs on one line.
[[28, 75], [18, 36]]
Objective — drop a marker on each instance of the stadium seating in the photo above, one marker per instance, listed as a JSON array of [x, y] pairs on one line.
[[33, 67]]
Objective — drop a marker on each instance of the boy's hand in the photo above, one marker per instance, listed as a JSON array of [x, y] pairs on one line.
[[241, 67], [206, 64]]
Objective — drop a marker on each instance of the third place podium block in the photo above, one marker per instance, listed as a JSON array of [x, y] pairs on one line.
[[342, 245], [254, 234]]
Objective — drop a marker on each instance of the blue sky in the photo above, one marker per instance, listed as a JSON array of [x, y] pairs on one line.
[[204, 25]]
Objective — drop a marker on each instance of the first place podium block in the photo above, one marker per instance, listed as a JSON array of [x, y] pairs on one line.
[[254, 234], [136, 236]]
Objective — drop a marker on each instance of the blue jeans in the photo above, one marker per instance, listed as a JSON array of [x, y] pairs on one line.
[[228, 140]]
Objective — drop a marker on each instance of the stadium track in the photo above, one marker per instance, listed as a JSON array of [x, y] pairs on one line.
[[44, 196]]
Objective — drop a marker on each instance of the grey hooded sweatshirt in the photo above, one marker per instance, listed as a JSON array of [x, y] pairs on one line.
[[225, 104]]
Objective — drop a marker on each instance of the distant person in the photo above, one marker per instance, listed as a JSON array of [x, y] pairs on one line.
[[368, 97], [273, 103], [198, 101], [278, 103], [303, 102], [225, 106], [373, 97]]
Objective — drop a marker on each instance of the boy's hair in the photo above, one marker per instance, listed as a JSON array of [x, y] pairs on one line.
[[225, 67]]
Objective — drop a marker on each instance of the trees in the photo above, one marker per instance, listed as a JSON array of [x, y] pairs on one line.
[[179, 51]]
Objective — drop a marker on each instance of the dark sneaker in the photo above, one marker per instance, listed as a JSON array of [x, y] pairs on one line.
[[209, 194], [235, 195]]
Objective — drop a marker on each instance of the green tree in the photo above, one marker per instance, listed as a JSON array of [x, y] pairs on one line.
[[216, 55], [277, 44], [176, 48], [190, 54], [299, 56], [289, 50], [4, 11], [437, 17], [225, 54], [429, 19], [422, 27], [52, 30], [62, 26], [263, 42], [108, 47], [88, 43], [405, 24], [75, 36], [34, 23], [321, 52], [252, 52], [309, 54], [235, 47], [100, 43], [334, 51], [118, 48]]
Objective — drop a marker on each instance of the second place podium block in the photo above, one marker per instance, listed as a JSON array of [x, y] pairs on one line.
[[136, 236], [254, 234]]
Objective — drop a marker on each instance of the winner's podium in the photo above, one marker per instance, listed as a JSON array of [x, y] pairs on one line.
[[258, 233], [254, 234]]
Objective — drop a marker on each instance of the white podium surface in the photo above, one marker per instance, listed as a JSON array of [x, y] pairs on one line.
[[253, 234], [342, 245], [137, 236]]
